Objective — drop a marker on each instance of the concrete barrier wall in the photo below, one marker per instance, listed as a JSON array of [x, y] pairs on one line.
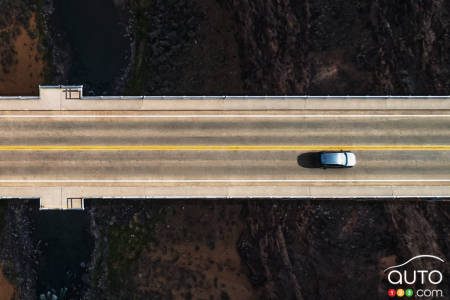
[[54, 98], [57, 197]]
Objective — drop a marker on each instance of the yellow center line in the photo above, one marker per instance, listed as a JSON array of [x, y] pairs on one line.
[[225, 148]]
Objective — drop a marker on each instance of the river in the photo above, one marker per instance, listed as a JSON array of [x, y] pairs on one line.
[[65, 245], [96, 41]]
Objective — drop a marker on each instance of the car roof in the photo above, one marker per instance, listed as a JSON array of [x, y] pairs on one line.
[[333, 158]]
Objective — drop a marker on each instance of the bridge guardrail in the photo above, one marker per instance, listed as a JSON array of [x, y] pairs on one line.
[[231, 98], [79, 89], [19, 98]]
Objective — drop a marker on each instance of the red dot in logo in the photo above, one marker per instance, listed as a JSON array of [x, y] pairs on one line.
[[391, 293]]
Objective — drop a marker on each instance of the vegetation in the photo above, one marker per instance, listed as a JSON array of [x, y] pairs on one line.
[[14, 18], [9, 271], [3, 207], [139, 74], [43, 46], [127, 241], [164, 33], [14, 14]]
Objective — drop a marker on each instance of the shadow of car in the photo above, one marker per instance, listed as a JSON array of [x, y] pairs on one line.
[[310, 160]]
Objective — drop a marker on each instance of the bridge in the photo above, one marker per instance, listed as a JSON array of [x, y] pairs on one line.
[[64, 147]]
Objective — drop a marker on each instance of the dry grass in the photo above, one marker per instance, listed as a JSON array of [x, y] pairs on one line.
[[24, 77]]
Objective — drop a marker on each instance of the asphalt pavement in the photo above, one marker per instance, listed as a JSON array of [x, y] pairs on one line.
[[261, 149]]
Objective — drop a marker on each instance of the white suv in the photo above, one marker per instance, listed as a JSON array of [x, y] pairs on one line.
[[342, 159]]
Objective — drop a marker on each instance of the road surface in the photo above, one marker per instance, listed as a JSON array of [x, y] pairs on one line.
[[268, 149]]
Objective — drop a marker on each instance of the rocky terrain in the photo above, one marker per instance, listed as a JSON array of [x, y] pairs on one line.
[[292, 47], [343, 47], [167, 250], [239, 47], [258, 249], [18, 248], [336, 250]]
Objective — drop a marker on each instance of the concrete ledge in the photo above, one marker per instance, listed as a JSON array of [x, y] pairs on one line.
[[62, 98], [258, 191], [57, 197]]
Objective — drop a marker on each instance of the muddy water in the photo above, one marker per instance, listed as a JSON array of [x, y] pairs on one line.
[[65, 246], [96, 42]]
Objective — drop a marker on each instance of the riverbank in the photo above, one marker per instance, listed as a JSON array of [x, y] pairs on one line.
[[18, 247], [98, 58], [21, 52]]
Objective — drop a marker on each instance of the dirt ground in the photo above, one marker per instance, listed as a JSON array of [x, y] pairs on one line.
[[196, 256], [17, 248], [257, 249], [167, 250], [24, 77], [6, 288], [218, 71]]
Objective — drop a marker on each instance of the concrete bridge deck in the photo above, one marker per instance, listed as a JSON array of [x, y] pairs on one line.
[[166, 148]]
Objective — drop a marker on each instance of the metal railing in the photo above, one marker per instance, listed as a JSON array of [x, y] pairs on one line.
[[60, 86], [223, 97], [19, 97], [232, 98]]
